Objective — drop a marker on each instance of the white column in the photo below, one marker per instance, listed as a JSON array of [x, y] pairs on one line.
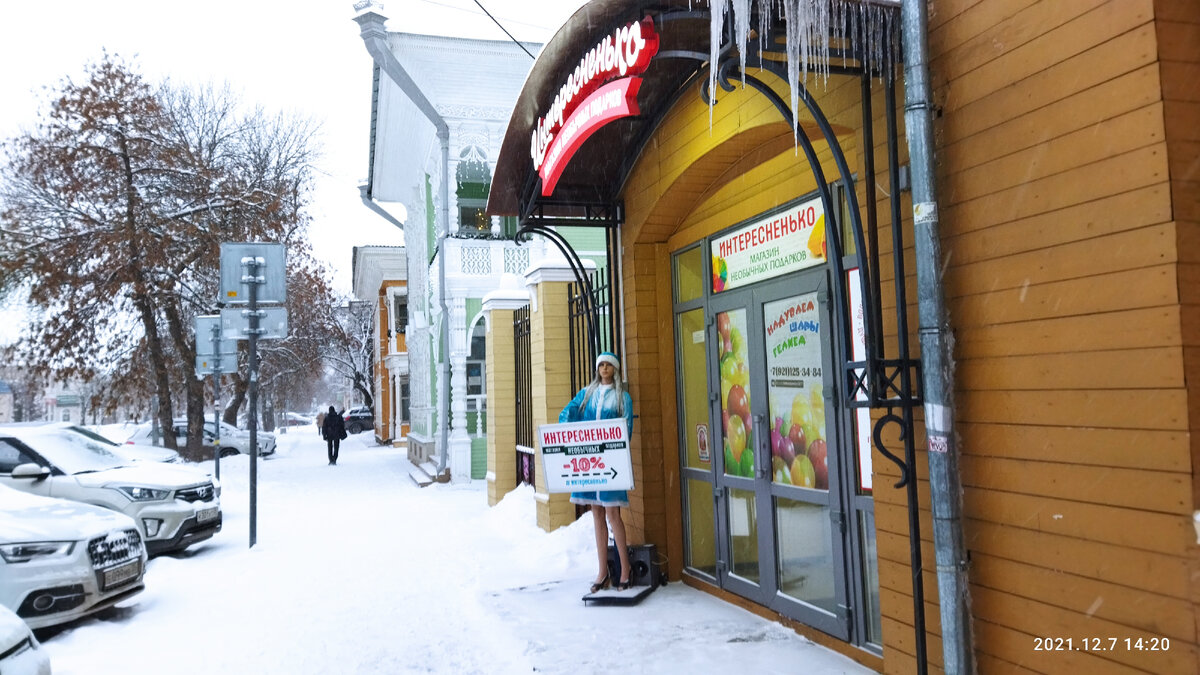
[[460, 440], [395, 406]]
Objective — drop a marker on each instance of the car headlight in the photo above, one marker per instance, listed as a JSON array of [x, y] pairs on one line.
[[19, 553], [143, 494]]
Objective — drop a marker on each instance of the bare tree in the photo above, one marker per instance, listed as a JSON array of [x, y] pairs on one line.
[[114, 210], [352, 354]]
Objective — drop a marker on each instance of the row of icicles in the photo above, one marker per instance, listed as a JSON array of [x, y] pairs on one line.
[[811, 26]]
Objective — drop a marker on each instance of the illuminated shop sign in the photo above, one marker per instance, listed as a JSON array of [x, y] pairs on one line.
[[782, 243], [585, 103]]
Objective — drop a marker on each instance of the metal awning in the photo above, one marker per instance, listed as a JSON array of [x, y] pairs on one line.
[[595, 176]]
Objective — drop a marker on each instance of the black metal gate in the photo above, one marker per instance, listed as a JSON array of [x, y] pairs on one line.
[[582, 349], [523, 456]]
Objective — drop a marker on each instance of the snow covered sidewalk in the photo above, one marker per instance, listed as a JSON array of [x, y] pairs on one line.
[[358, 571]]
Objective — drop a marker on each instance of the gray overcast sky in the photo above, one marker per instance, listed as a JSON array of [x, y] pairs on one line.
[[302, 55]]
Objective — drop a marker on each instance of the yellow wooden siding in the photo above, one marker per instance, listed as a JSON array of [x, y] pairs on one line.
[[1178, 32], [1063, 283], [1064, 169]]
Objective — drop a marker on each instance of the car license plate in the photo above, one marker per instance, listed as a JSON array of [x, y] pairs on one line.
[[205, 515], [118, 575]]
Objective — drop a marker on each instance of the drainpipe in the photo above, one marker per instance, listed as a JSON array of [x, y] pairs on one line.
[[937, 376], [364, 192], [374, 36], [444, 390]]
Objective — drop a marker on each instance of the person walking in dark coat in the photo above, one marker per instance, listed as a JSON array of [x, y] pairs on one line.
[[333, 430]]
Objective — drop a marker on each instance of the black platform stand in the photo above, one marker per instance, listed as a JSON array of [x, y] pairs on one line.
[[611, 596]]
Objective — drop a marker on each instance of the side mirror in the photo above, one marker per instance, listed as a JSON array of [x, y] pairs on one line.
[[32, 471]]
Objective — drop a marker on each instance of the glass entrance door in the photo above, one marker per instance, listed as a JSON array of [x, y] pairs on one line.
[[779, 536]]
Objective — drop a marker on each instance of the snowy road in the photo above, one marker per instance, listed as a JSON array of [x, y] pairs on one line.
[[358, 571]]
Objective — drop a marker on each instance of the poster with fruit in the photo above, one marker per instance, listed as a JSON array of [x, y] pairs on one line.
[[736, 425], [795, 394]]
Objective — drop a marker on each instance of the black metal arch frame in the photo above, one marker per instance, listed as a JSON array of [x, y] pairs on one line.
[[577, 268]]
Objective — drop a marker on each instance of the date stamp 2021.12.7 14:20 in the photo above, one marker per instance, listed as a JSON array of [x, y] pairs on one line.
[[1101, 644]]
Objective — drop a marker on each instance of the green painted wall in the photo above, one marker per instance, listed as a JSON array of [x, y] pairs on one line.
[[584, 239], [479, 458], [474, 307]]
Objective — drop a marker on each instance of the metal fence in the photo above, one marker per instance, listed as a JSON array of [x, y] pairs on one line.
[[524, 395]]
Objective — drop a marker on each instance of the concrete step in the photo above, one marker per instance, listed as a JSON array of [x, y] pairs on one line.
[[420, 478], [426, 473]]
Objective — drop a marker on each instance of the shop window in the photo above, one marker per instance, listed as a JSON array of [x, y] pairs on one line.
[[870, 556], [689, 275], [842, 206]]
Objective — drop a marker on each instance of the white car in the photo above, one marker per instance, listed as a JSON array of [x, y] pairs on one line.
[[173, 506], [62, 560], [233, 440], [129, 451], [20, 651], [266, 439]]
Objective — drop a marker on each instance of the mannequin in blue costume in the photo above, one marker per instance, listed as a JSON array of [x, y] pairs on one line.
[[604, 398]]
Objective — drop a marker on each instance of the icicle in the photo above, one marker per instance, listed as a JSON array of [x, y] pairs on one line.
[[858, 28], [741, 32], [766, 13], [716, 31], [795, 46]]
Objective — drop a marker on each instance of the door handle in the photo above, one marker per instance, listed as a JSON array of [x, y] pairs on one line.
[[763, 456]]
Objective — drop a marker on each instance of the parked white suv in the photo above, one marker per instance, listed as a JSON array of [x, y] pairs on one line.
[[126, 451], [62, 560], [173, 505]]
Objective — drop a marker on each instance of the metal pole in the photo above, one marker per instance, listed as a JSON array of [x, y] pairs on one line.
[[945, 488], [216, 341], [252, 280]]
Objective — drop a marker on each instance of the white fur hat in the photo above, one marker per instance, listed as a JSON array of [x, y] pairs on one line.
[[609, 358]]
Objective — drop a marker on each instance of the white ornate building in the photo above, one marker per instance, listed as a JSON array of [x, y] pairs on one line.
[[439, 109]]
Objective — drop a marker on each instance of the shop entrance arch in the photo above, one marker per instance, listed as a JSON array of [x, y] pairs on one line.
[[761, 513]]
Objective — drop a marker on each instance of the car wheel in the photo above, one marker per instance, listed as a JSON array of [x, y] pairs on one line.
[[228, 452], [354, 428]]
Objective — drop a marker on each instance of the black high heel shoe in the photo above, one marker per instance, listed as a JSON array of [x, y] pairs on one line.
[[624, 585], [601, 585]]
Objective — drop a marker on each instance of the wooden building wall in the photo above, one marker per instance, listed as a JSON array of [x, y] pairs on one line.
[[1068, 154], [1069, 277], [384, 323]]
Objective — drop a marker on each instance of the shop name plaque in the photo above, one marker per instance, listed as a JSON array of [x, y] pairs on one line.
[[778, 244]]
